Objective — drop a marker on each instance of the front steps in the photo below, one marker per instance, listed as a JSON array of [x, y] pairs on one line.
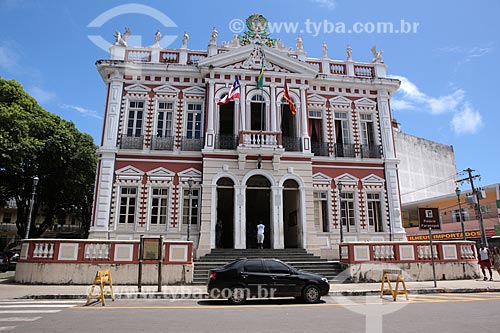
[[297, 258]]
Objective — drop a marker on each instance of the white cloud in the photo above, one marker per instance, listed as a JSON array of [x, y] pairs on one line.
[[83, 111], [328, 4], [41, 95], [466, 121], [413, 98], [468, 54]]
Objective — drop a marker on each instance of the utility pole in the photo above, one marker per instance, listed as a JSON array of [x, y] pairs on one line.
[[470, 179]]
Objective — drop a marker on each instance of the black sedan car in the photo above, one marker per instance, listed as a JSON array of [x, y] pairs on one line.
[[264, 278]]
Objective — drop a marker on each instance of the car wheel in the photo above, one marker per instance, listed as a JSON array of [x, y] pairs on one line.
[[238, 296], [311, 294]]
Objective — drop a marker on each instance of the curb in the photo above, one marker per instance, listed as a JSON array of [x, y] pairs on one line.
[[170, 296]]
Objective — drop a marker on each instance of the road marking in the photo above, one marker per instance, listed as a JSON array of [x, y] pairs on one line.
[[7, 328], [20, 319], [30, 311], [76, 302], [36, 306]]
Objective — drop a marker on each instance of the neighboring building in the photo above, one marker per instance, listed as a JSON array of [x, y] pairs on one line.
[[451, 227], [427, 169], [170, 155]]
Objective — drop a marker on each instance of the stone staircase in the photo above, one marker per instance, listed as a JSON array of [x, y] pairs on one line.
[[297, 258]]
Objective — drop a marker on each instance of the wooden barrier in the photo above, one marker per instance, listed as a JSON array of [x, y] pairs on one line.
[[394, 292], [102, 278]]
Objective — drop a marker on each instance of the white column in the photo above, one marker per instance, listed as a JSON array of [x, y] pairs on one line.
[[278, 235], [107, 156], [240, 218], [306, 140], [210, 135], [273, 107], [391, 163]]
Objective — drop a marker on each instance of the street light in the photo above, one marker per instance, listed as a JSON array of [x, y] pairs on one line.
[[28, 227], [339, 186], [457, 191], [190, 184]]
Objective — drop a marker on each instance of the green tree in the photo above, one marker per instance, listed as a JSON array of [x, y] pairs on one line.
[[34, 142]]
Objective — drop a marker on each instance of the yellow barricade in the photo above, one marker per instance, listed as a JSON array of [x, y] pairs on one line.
[[394, 292], [102, 278]]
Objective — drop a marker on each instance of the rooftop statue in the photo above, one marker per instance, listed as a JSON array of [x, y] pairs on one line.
[[299, 44], [213, 39], [120, 38], [377, 56], [349, 52], [185, 38], [157, 37], [325, 50]]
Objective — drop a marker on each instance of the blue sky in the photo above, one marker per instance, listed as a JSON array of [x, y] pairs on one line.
[[446, 65]]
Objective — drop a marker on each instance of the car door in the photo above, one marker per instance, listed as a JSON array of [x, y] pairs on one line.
[[284, 278], [256, 277]]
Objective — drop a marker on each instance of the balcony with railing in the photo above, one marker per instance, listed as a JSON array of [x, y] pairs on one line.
[[371, 151], [132, 142], [162, 143], [191, 144], [320, 148], [345, 150], [261, 139], [229, 142]]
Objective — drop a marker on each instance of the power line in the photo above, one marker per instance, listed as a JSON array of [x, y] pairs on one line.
[[433, 184]]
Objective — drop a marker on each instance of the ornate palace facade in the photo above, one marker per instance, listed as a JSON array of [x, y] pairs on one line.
[[173, 161]]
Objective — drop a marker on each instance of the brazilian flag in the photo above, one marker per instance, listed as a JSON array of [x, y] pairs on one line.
[[260, 78]]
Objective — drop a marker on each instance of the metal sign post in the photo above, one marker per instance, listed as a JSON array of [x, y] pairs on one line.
[[432, 258], [160, 261], [141, 254], [428, 218]]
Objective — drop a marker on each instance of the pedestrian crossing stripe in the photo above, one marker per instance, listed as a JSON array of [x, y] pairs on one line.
[[7, 328], [36, 306], [29, 311], [11, 319]]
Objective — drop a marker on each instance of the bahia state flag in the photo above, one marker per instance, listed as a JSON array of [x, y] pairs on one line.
[[286, 95], [234, 92]]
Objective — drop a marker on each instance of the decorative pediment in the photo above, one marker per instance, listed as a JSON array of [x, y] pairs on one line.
[[346, 180], [315, 99], [129, 173], [196, 91], [340, 101], [249, 57], [372, 180], [365, 103], [138, 88], [190, 173], [166, 89], [160, 174], [321, 179]]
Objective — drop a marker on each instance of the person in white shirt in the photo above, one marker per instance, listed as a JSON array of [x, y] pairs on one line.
[[485, 261], [260, 235]]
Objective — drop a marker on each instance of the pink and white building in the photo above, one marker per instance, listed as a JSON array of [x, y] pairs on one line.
[[173, 162]]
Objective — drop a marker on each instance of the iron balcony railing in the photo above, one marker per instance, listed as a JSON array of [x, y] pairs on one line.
[[226, 141], [320, 148], [292, 144], [371, 151], [162, 143], [345, 150], [191, 144], [132, 142]]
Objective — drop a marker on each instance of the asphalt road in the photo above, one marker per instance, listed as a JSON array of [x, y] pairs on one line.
[[422, 313]]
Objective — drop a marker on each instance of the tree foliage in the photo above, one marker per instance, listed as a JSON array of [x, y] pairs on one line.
[[34, 142]]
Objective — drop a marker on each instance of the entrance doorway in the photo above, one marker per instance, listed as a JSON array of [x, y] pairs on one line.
[[225, 212], [258, 210], [291, 217]]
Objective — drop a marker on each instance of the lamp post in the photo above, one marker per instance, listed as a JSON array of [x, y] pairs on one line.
[[339, 186], [190, 184], [457, 191], [33, 192]]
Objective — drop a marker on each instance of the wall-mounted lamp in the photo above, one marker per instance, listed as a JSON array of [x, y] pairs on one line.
[[259, 161]]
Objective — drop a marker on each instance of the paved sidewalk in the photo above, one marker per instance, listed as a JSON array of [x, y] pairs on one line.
[[11, 290]]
